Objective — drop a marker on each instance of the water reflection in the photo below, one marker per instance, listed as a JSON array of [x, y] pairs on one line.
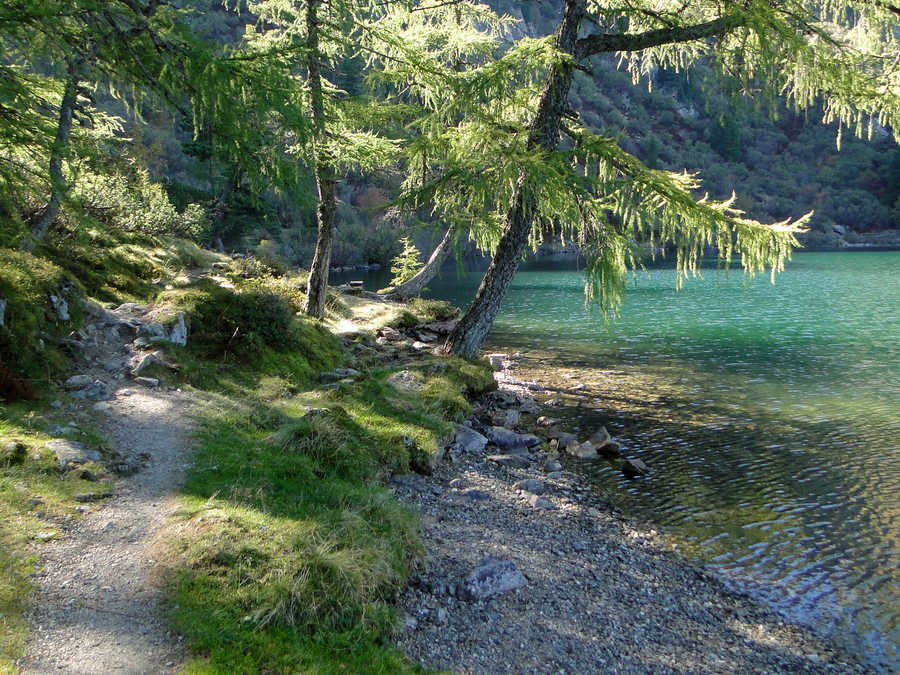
[[769, 415]]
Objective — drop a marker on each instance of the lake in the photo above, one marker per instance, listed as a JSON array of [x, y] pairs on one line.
[[769, 415]]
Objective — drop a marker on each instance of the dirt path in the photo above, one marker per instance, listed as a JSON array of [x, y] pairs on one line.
[[97, 604]]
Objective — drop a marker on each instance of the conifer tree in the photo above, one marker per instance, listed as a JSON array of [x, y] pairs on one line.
[[509, 169]]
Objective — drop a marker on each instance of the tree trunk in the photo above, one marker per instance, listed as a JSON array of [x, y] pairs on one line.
[[325, 184], [220, 208], [58, 150], [543, 135], [413, 287]]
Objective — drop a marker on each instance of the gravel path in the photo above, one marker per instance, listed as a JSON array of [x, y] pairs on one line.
[[601, 595], [97, 605]]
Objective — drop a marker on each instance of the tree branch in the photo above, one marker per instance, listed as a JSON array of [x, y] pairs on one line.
[[632, 42]]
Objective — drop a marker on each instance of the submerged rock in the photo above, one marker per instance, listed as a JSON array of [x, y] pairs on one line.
[[634, 467]]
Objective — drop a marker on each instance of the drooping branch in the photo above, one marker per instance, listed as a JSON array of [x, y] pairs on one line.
[[598, 43]]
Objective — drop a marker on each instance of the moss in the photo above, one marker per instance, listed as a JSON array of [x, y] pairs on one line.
[[26, 283]]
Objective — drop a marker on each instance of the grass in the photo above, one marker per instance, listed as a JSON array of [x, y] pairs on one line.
[[288, 548], [22, 485]]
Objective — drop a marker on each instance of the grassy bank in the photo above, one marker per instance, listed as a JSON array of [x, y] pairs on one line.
[[289, 548]]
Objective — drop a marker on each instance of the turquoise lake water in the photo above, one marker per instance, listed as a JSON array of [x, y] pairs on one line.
[[769, 415]]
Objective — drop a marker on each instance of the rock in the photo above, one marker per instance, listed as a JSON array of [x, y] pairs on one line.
[[459, 483], [634, 467], [3, 303], [61, 306], [506, 438], [390, 334], [532, 485], [441, 327], [578, 387], [338, 374], [539, 502], [552, 465], [511, 418], [530, 406], [469, 439], [410, 481], [563, 438], [178, 332], [406, 380], [493, 576], [78, 381], [149, 382], [510, 461], [46, 536], [476, 495], [544, 421], [89, 476], [610, 449], [426, 336], [600, 437], [419, 346], [70, 452], [97, 391], [581, 450], [152, 330], [152, 358], [86, 497], [102, 406], [440, 616], [12, 453], [496, 360]]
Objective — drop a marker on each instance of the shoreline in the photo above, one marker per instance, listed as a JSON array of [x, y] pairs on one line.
[[600, 592]]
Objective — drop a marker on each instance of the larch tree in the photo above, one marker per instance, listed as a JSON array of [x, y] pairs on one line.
[[526, 166], [58, 51]]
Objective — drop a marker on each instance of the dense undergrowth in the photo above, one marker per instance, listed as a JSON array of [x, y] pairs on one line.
[[288, 547]]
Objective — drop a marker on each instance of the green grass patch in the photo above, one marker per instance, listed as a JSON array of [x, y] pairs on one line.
[[35, 498]]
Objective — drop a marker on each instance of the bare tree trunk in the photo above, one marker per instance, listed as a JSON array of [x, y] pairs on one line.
[[317, 286], [543, 135], [58, 150], [413, 287]]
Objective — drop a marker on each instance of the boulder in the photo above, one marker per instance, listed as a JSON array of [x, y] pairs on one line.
[[441, 327], [178, 333], [530, 406], [506, 438], [469, 439], [338, 374], [634, 467], [70, 452], [150, 359], [149, 382], [420, 346], [390, 334], [491, 577], [544, 421], [426, 336], [96, 391]]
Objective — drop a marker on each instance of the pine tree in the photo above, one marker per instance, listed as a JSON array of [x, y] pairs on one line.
[[519, 181]]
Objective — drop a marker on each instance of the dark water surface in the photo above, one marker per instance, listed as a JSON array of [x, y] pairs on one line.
[[769, 415]]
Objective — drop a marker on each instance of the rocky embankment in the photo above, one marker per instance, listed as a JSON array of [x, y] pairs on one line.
[[531, 569]]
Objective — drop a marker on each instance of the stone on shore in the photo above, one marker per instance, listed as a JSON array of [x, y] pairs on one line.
[[493, 576], [563, 438], [510, 461], [469, 439], [506, 438], [581, 450]]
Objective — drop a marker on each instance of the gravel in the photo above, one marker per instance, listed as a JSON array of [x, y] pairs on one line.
[[601, 595]]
